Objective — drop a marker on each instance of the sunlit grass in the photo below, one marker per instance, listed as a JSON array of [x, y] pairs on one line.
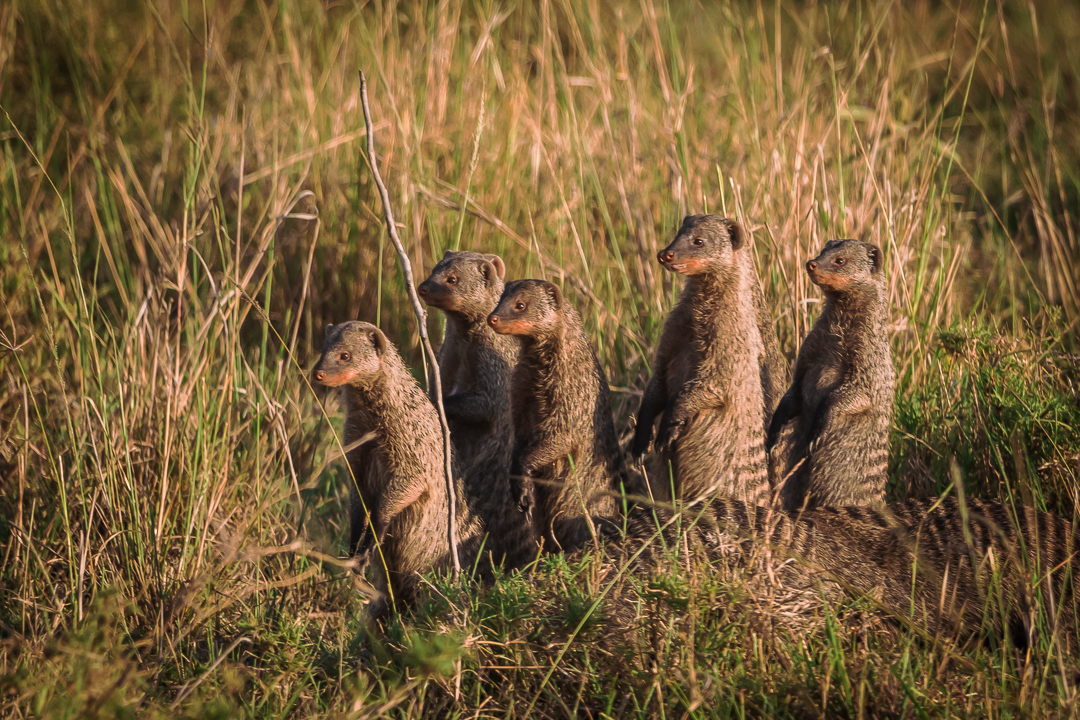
[[169, 494]]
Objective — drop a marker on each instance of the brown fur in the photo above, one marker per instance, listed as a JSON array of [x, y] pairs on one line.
[[476, 363], [399, 475], [947, 567], [707, 377], [565, 443], [836, 415]]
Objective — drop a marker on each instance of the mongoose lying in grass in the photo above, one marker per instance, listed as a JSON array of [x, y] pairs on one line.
[[476, 363], [840, 403], [564, 437], [399, 475], [707, 377], [947, 568]]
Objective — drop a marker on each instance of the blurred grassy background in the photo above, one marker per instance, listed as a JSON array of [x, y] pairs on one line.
[[168, 488]]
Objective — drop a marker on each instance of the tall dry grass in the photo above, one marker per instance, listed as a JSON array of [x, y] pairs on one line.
[[184, 203]]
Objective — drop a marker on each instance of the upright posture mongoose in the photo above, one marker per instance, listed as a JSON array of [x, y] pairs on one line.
[[840, 402], [983, 566], [564, 438], [476, 363], [400, 475], [707, 377]]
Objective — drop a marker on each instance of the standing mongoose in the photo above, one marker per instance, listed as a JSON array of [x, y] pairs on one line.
[[835, 417], [476, 363], [946, 566], [707, 377], [565, 445], [399, 476]]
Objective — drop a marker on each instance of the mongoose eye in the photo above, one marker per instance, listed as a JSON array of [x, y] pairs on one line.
[[519, 306], [840, 261], [698, 242], [452, 280], [345, 356]]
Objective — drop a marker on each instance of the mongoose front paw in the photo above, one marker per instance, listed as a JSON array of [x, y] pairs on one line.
[[523, 495], [524, 490], [525, 505], [640, 444], [362, 558], [667, 435], [361, 551]]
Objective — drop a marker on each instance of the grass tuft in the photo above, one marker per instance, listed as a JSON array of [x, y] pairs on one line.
[[185, 204]]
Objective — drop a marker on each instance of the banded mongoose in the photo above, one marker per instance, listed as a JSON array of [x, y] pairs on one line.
[[707, 376], [476, 363], [980, 566], [400, 474], [565, 445], [839, 405]]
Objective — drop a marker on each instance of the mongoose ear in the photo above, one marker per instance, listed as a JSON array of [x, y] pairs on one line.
[[500, 266], [329, 327], [489, 271], [554, 293], [379, 341], [447, 254], [874, 253], [736, 233]]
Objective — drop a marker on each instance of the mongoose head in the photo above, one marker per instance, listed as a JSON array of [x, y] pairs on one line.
[[463, 281], [527, 307], [352, 354], [704, 244], [845, 266]]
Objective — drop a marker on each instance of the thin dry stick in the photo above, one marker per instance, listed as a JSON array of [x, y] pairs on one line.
[[421, 319]]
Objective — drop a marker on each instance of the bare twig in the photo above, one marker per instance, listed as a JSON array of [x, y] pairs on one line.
[[421, 319]]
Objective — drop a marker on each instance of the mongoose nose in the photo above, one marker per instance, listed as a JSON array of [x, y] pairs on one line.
[[811, 265], [423, 289], [665, 256], [320, 375], [493, 320]]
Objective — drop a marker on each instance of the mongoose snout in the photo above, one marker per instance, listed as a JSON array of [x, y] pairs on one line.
[[510, 327], [430, 291], [687, 266]]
